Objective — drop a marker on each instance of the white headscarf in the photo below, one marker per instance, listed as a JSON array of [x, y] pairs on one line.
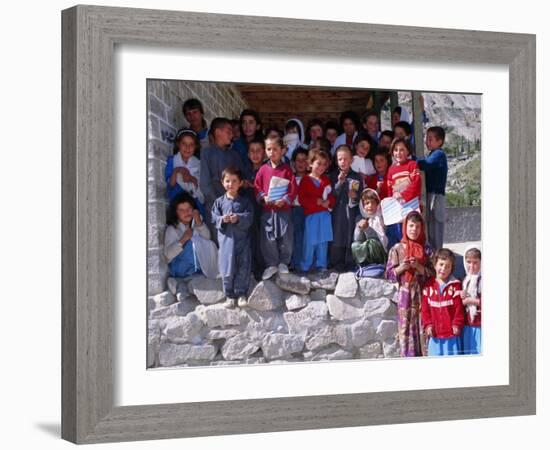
[[471, 283], [376, 222]]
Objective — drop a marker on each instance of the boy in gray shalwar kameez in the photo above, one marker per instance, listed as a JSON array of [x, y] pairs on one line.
[[232, 215]]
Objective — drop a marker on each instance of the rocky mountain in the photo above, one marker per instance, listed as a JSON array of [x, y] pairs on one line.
[[460, 116]]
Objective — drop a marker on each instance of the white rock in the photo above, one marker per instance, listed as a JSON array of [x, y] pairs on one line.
[[239, 347], [391, 349], [344, 308], [387, 330], [377, 307], [329, 334], [153, 343], [297, 301], [187, 305], [318, 295], [207, 291], [293, 283], [174, 354], [327, 282], [347, 285], [371, 288], [164, 312], [218, 316], [329, 354], [165, 298], [313, 315], [278, 345], [258, 323], [362, 332], [222, 334], [174, 283], [182, 329], [371, 350], [266, 296]]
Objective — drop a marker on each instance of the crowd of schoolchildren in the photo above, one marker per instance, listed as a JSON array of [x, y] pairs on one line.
[[244, 200]]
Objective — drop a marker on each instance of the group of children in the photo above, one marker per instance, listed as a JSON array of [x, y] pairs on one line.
[[276, 202]]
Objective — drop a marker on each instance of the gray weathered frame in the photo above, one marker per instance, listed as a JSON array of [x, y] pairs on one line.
[[89, 36]]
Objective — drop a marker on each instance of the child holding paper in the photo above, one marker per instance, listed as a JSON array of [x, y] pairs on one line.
[[442, 310], [409, 265], [403, 182], [346, 185], [276, 189], [315, 196]]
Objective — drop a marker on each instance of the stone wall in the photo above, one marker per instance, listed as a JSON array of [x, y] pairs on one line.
[[463, 224], [165, 99], [288, 319]]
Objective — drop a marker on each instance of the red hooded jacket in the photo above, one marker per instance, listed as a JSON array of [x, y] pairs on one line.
[[442, 311]]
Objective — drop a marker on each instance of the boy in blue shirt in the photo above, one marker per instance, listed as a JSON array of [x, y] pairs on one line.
[[435, 168]]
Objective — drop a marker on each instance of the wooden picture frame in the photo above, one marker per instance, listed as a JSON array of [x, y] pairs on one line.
[[90, 34]]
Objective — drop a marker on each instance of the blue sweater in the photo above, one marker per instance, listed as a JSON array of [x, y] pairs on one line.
[[435, 168]]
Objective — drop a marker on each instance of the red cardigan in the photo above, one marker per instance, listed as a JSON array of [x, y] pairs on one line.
[[309, 193], [442, 311], [407, 175], [261, 185]]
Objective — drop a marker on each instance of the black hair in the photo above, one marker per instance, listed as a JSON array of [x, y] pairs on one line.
[[218, 122], [332, 125], [192, 103], [364, 136], [368, 113], [381, 151], [256, 115], [397, 110], [351, 115], [172, 216], [273, 128], [311, 124], [388, 133], [257, 141], [232, 170], [298, 151], [439, 133], [404, 125], [323, 143], [186, 132]]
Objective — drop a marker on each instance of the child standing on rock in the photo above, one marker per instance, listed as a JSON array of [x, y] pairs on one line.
[[315, 195], [409, 265], [442, 310], [276, 188], [232, 215], [471, 300]]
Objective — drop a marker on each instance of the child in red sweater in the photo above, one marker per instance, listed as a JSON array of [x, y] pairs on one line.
[[403, 182], [276, 189], [315, 196], [442, 310]]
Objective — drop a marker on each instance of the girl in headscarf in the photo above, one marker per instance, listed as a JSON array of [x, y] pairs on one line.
[[369, 240], [409, 265]]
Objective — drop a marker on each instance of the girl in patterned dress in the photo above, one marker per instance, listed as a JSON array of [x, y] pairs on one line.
[[409, 265]]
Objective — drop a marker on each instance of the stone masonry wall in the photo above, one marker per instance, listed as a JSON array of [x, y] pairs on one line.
[[288, 319], [165, 100]]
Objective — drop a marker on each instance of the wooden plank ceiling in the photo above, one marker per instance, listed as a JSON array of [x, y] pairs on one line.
[[277, 104]]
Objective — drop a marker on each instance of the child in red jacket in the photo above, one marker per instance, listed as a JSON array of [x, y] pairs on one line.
[[442, 310], [315, 196]]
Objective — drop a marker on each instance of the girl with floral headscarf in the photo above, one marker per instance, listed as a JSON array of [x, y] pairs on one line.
[[409, 265]]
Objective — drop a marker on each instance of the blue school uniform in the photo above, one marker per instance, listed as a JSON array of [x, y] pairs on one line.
[[444, 346], [471, 340], [234, 257]]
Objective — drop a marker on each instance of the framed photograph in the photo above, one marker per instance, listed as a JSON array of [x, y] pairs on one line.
[[126, 71]]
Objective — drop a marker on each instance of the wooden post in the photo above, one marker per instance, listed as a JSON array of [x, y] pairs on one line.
[[419, 143]]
